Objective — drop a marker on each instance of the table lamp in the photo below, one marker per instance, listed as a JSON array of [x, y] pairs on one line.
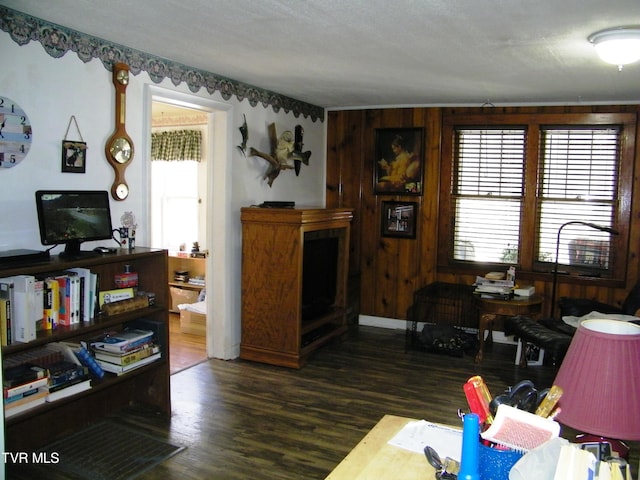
[[600, 377]]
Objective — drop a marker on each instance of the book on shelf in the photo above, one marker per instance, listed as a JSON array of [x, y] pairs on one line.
[[127, 358], [65, 372], [50, 304], [159, 328], [21, 374], [75, 298], [23, 307], [64, 378], [88, 292], [70, 292], [5, 321], [24, 404], [89, 361], [64, 293], [76, 353], [6, 301], [197, 281], [41, 356], [121, 369], [38, 288], [26, 387], [68, 390], [120, 342], [26, 397]]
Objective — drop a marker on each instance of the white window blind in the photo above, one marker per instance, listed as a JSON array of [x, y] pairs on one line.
[[578, 182], [488, 194]]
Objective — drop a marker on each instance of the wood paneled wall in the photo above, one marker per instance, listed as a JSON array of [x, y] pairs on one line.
[[391, 269]]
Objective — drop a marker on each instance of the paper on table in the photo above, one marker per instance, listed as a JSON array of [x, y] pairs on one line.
[[418, 434]]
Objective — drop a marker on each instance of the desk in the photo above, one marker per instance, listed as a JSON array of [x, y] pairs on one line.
[[374, 459], [490, 308]]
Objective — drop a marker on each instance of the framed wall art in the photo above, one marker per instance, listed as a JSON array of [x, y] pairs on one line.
[[399, 159], [74, 156], [74, 153], [399, 219]]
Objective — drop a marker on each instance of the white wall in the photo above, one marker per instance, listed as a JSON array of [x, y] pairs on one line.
[[52, 90]]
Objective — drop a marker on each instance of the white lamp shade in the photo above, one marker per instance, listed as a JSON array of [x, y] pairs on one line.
[[619, 46]]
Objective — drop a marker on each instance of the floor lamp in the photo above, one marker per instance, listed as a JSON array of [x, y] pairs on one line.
[[555, 268]]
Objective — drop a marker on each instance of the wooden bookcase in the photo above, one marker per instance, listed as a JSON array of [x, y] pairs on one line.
[[148, 385], [273, 241], [196, 267]]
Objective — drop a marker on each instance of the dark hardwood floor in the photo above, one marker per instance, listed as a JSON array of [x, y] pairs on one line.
[[242, 420]]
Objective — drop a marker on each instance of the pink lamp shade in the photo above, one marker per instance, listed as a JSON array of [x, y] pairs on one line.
[[600, 377]]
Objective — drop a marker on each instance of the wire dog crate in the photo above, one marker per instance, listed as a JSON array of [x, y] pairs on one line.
[[440, 303]]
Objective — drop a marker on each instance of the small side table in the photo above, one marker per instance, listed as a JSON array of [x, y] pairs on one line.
[[490, 308]]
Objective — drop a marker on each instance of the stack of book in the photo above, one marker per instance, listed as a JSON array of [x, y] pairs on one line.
[[198, 281], [24, 387], [124, 351], [491, 288], [67, 378]]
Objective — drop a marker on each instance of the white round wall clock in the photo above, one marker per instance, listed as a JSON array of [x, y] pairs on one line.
[[15, 133]]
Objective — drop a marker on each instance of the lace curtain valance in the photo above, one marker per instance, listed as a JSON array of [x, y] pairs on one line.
[[176, 145]]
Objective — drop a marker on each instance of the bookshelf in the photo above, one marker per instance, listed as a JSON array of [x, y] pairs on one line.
[[196, 266], [147, 386], [278, 278]]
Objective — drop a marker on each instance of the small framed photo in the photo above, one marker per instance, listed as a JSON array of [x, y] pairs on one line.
[[74, 157], [398, 161], [399, 219]]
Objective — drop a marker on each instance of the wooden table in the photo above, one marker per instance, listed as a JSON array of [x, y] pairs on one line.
[[490, 308], [374, 459]]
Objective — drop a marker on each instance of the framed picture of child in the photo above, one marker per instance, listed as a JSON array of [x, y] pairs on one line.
[[399, 160]]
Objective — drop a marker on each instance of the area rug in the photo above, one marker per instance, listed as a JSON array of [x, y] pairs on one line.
[[108, 451]]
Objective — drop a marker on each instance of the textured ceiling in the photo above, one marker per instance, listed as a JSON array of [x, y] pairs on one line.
[[354, 53]]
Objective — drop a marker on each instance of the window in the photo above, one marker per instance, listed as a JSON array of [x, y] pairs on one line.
[[490, 178], [175, 203], [578, 182], [511, 181], [178, 183]]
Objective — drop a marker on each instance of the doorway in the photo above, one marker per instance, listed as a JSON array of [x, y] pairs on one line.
[[223, 299], [178, 208]]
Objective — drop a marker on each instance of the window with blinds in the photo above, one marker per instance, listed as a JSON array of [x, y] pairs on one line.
[[511, 180], [578, 181], [488, 194]]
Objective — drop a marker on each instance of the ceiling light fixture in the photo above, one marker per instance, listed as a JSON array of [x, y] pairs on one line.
[[619, 46]]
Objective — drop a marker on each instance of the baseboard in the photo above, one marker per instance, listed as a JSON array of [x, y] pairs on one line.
[[397, 324], [382, 322]]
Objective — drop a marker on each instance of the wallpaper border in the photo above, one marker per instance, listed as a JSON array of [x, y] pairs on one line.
[[58, 40]]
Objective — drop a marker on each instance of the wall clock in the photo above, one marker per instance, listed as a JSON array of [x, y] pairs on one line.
[[119, 147], [15, 133]]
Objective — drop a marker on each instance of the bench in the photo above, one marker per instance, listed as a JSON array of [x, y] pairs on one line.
[[554, 342]]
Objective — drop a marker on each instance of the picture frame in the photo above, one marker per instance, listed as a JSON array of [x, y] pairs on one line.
[[74, 158], [399, 219], [399, 161]]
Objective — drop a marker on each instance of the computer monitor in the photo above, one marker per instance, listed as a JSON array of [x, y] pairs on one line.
[[71, 217]]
